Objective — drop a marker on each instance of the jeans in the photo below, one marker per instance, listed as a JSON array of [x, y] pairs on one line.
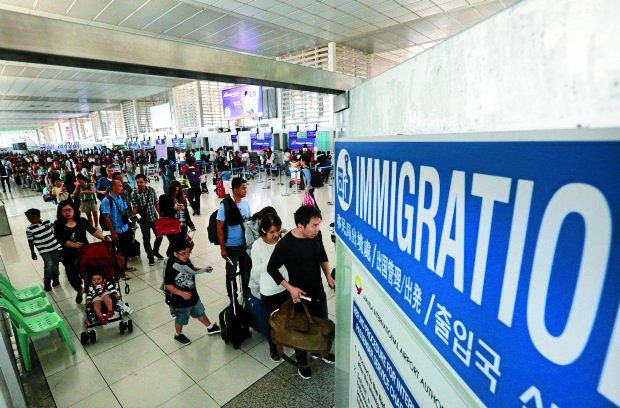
[[318, 308], [50, 266], [271, 303], [239, 256], [146, 227], [193, 196]]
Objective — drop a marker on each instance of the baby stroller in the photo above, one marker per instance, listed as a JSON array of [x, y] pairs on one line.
[[101, 257]]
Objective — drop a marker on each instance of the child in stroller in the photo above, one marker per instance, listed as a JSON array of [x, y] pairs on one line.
[[101, 291], [100, 270]]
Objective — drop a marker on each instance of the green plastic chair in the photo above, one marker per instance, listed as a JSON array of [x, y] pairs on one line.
[[22, 294], [28, 307], [27, 327]]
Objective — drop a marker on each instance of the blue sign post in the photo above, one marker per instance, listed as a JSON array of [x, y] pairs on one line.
[[504, 256]]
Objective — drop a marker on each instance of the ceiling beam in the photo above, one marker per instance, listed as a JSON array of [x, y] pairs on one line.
[[42, 40]]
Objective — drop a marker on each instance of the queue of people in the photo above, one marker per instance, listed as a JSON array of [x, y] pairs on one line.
[[275, 265]]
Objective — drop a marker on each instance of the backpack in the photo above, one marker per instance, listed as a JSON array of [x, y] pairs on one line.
[[212, 227], [316, 179]]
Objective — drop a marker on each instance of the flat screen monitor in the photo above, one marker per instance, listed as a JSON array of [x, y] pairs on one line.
[[242, 102]]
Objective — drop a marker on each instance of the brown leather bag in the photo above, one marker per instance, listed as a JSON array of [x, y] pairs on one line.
[[301, 331]]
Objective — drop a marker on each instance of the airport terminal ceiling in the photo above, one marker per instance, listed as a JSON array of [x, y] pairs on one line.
[[387, 31]]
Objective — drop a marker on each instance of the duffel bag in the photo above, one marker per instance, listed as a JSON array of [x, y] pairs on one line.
[[301, 331]]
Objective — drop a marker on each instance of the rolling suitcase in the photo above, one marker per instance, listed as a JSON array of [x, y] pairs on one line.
[[233, 322], [134, 249], [255, 313]]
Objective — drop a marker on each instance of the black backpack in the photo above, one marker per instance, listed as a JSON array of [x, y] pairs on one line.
[[316, 179], [212, 227]]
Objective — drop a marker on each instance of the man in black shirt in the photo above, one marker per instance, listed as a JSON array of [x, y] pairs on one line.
[[302, 253]]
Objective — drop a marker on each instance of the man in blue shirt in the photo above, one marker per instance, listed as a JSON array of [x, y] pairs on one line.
[[231, 217], [114, 210], [103, 184]]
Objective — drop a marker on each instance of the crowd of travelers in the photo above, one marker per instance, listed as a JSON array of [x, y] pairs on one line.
[[106, 194]]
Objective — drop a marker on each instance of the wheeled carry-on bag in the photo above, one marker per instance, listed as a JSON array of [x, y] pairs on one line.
[[255, 313], [233, 321]]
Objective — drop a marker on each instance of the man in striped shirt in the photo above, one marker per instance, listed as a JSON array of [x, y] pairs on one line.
[[40, 234]]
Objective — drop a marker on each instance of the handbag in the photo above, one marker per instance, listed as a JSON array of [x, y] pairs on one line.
[[309, 200], [301, 331], [167, 226]]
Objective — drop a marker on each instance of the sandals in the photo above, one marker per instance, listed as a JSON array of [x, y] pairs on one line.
[[103, 319]]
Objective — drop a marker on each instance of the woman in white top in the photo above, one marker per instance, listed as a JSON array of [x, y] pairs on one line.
[[261, 283]]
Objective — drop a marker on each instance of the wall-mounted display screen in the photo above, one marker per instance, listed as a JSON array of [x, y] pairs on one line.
[[242, 102], [161, 118]]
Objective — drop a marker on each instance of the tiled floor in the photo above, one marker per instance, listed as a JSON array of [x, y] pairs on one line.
[[147, 368]]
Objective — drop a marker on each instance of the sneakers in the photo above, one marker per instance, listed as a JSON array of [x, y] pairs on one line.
[[275, 357], [181, 339], [213, 329], [305, 373], [329, 359], [151, 261], [157, 255], [48, 287]]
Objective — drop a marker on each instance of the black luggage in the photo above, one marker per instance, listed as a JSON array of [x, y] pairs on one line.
[[234, 323], [134, 249]]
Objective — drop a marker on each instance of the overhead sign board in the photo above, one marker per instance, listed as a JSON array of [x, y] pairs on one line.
[[502, 257]]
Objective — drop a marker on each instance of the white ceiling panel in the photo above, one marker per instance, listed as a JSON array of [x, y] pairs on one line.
[[12, 70], [19, 3], [118, 11], [194, 23], [147, 14], [488, 9], [229, 5], [453, 4], [87, 9], [247, 10], [172, 18], [301, 3], [53, 6], [213, 27], [264, 4]]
